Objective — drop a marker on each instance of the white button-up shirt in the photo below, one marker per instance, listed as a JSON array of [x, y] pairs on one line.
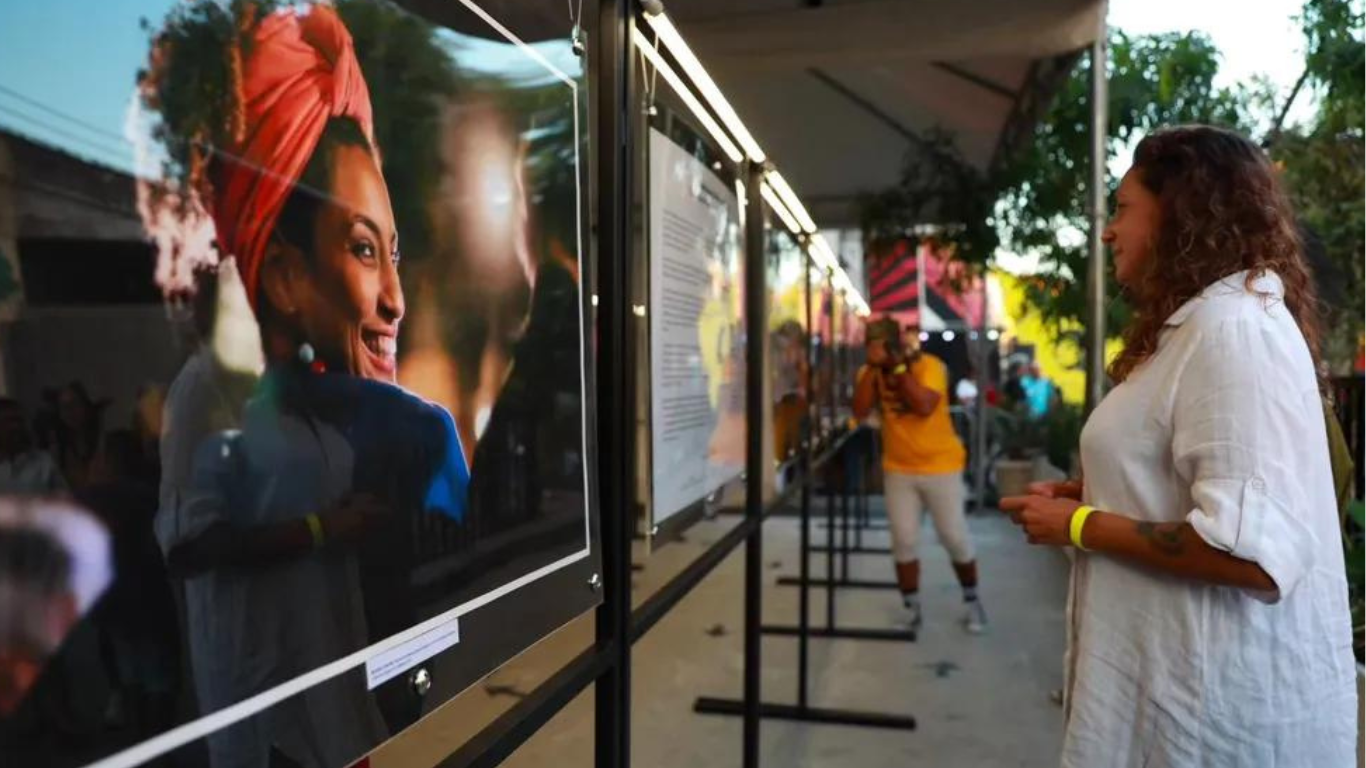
[[1222, 428]]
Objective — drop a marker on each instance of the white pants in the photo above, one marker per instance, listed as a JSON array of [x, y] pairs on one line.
[[908, 495]]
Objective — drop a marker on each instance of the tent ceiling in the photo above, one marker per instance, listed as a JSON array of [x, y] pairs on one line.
[[837, 92]]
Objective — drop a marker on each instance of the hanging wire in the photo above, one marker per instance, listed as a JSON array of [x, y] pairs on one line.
[[652, 81], [576, 34]]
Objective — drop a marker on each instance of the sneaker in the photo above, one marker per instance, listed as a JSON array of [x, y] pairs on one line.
[[913, 619], [975, 618]]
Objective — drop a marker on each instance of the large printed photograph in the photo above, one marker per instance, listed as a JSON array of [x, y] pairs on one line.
[[292, 370]]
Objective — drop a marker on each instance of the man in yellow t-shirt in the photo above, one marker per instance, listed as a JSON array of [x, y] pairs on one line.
[[922, 460]]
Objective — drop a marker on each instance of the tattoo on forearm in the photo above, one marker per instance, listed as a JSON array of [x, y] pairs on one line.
[[1164, 537]]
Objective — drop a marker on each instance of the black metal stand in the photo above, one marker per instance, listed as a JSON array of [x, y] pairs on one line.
[[606, 666], [802, 711], [756, 301], [797, 581], [868, 526], [844, 527], [807, 714], [852, 633], [616, 364], [855, 522], [845, 548], [853, 550]]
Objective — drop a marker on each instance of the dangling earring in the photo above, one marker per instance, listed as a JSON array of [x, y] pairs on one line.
[[309, 358]]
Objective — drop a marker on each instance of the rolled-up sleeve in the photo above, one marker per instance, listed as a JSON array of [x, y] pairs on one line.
[[1240, 427], [203, 504]]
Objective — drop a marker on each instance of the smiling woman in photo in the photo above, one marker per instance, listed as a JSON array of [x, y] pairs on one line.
[[292, 538]]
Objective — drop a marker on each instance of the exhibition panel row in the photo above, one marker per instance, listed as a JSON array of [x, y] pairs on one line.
[[302, 329]]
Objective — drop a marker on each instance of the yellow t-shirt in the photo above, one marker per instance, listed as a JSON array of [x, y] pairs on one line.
[[919, 445]]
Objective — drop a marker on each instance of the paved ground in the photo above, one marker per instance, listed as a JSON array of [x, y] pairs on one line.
[[980, 701]]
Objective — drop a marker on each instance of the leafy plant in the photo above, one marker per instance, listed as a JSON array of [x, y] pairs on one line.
[[1022, 437], [936, 184], [1322, 166], [1062, 434], [1154, 80]]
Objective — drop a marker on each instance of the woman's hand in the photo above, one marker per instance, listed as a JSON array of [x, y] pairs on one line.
[[351, 516], [1045, 520], [1063, 489]]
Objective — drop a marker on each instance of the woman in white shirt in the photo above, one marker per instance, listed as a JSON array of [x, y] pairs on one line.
[[1208, 611]]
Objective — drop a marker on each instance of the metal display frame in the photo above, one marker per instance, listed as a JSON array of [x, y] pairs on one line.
[[612, 215], [607, 664]]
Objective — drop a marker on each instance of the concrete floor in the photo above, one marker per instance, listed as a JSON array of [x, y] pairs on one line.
[[980, 701]]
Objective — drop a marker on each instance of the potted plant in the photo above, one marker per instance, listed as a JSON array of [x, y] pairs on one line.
[[1062, 437], [1022, 442]]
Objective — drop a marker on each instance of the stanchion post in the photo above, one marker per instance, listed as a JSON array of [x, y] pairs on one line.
[[756, 325], [1095, 284], [615, 372], [845, 477], [804, 549], [981, 443]]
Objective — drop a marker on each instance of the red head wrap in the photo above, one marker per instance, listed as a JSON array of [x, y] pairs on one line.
[[298, 71]]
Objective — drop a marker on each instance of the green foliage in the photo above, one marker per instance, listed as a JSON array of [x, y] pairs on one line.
[[936, 184], [190, 83], [1038, 202], [1323, 163], [1062, 435], [1334, 61], [1022, 436], [1154, 80]]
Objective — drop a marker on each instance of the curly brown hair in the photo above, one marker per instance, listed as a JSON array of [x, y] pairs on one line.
[[1222, 212]]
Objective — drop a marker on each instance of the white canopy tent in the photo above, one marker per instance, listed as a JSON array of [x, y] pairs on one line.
[[838, 91]]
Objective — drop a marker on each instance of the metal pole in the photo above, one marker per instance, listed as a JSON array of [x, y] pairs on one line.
[[844, 514], [827, 363], [1095, 304], [803, 554], [615, 379], [756, 324], [837, 395], [980, 434]]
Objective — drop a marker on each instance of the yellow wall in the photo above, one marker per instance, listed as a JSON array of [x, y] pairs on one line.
[[1058, 361]]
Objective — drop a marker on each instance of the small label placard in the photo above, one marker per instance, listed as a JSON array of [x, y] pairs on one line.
[[393, 662]]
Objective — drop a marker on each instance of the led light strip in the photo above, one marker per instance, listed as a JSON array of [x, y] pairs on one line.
[[775, 189], [671, 39], [825, 259], [771, 198], [684, 92], [794, 203]]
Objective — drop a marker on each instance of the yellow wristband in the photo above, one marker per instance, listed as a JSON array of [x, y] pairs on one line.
[[1079, 522], [315, 527], [899, 369]]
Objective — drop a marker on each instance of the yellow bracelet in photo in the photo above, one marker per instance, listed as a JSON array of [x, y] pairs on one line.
[[1079, 522], [315, 527]]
